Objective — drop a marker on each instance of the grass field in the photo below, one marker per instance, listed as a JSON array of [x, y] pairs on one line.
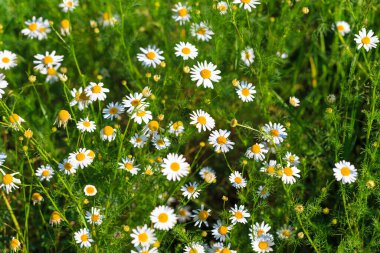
[[201, 126]]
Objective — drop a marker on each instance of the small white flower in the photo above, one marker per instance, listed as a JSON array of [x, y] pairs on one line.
[[96, 91], [201, 31], [366, 40], [245, 91], [342, 27], [186, 50], [83, 238], [202, 120], [220, 141], [190, 190], [247, 56], [345, 172], [150, 56], [293, 101], [7, 59], [45, 172]]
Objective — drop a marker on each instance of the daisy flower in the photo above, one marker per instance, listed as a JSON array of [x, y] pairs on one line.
[[55, 218], [262, 192], [345, 172], [285, 232], [81, 158], [256, 151], [67, 167], [247, 4], [176, 128], [80, 98], [108, 133], [263, 244], [222, 7], [68, 5], [201, 31], [245, 91], [3, 85], [150, 56], [220, 247], [15, 244], [289, 173], [202, 120], [86, 125], [152, 127], [200, 216], [33, 28], [113, 110], [292, 159], [366, 40], [7, 59], [181, 13], [128, 164], [259, 229], [208, 174], [220, 231], [219, 140], [143, 236], [138, 141], [160, 142], [205, 74], [247, 56], [275, 132], [8, 182], [95, 91], [293, 101], [83, 238], [237, 180], [90, 190], [94, 217], [183, 214], [15, 120], [194, 247], [108, 19], [62, 118], [52, 75], [37, 198], [163, 218], [65, 27], [186, 51], [49, 60], [190, 190], [342, 27], [44, 29], [239, 214], [175, 167], [141, 115], [45, 172], [134, 101]]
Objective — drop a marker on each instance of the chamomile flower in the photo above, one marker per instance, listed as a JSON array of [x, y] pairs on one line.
[[237, 180], [3, 84], [150, 56], [220, 141], [80, 158], [49, 60], [183, 214], [145, 249], [128, 164], [201, 31], [7, 59], [245, 91], [366, 40], [263, 192], [200, 216], [94, 217], [190, 190], [65, 27], [62, 118], [293, 101], [221, 248], [181, 13], [239, 214], [90, 190], [134, 101], [256, 151], [141, 115], [175, 167], [107, 19], [275, 132], [15, 244], [163, 218], [55, 218], [220, 231], [247, 56], [289, 174], [37, 198], [67, 167], [113, 110], [176, 128], [52, 75], [80, 98], [138, 141], [45, 172], [292, 158], [263, 243], [285, 232], [160, 141], [83, 238], [194, 247], [345, 172], [36, 28], [186, 51], [342, 27], [143, 236], [8, 182], [222, 7], [208, 174], [152, 127], [44, 29], [15, 121], [108, 133], [86, 125], [259, 229], [96, 91], [247, 4], [205, 74], [202, 120], [68, 5]]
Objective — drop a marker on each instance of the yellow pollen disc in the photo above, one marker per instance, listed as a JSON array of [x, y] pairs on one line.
[[150, 55], [182, 12], [160, 142], [90, 190], [86, 123], [135, 102], [138, 140], [96, 89], [14, 118], [55, 216], [221, 140], [255, 149], [201, 31], [114, 110], [51, 71], [340, 28], [245, 1], [286, 233], [5, 60], [205, 74], [176, 125], [270, 170], [67, 166], [91, 154], [345, 171], [238, 180], [223, 230], [175, 166], [36, 196], [153, 125], [288, 171], [69, 4], [128, 166], [107, 130], [186, 50], [190, 189], [140, 113], [245, 92], [291, 158], [7, 179], [80, 157], [65, 24], [143, 237], [84, 238], [14, 244], [163, 217], [193, 250], [238, 215], [182, 212], [45, 173], [106, 16], [225, 250], [201, 120], [48, 59], [366, 40], [263, 245], [203, 215], [274, 132], [95, 217], [222, 7], [260, 232], [33, 27], [42, 29], [63, 115]]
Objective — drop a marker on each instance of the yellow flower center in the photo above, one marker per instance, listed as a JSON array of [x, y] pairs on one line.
[[205, 74], [114, 110], [33, 27], [263, 245], [288, 171], [245, 1], [182, 12], [28, 133], [141, 113], [68, 166], [80, 157], [135, 102], [14, 244], [107, 130], [221, 140], [128, 166], [153, 125], [90, 190], [201, 120], [225, 250], [366, 40], [63, 115], [69, 4], [91, 154], [84, 238], [175, 166], [238, 180], [245, 92], [177, 125], [186, 50], [203, 215], [48, 59], [260, 232], [201, 31], [55, 216], [222, 7], [182, 212], [143, 237], [190, 189], [95, 217], [274, 132], [238, 215], [86, 123], [163, 217], [340, 28], [14, 118], [291, 158], [42, 29], [65, 24], [270, 170], [223, 230], [96, 89], [45, 173], [36, 196], [5, 60], [106, 16], [286, 233], [51, 71], [150, 55], [138, 140], [255, 149], [7, 179], [345, 171], [193, 250]]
